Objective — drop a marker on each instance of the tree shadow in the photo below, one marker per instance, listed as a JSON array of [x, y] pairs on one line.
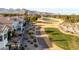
[[55, 33], [49, 31]]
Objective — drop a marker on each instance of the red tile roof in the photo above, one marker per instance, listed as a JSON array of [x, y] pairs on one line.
[[6, 22], [2, 26]]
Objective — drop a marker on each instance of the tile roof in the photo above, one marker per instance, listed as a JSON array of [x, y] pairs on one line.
[[4, 21], [8, 21], [2, 26]]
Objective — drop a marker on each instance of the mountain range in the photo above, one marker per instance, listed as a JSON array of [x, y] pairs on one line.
[[22, 11]]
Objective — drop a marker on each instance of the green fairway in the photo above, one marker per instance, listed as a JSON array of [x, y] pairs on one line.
[[62, 40]]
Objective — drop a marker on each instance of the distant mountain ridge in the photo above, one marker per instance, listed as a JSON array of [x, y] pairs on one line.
[[3, 10], [22, 11]]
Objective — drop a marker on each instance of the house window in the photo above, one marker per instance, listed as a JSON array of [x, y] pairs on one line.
[[20, 22], [5, 36], [0, 38], [23, 29], [18, 29]]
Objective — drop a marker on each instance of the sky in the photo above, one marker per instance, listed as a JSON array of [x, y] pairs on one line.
[[57, 6], [58, 10]]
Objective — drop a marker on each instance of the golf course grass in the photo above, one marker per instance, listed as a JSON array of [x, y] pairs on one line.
[[67, 42]]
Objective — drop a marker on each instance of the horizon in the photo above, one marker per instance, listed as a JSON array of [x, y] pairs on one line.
[[52, 10], [57, 10]]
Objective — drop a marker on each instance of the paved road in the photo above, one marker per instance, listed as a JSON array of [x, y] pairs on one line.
[[38, 33], [42, 43], [41, 40], [27, 42]]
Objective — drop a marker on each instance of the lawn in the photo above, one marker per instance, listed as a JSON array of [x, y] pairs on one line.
[[62, 40]]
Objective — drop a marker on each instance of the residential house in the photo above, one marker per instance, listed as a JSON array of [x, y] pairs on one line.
[[18, 24], [3, 36], [6, 25]]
